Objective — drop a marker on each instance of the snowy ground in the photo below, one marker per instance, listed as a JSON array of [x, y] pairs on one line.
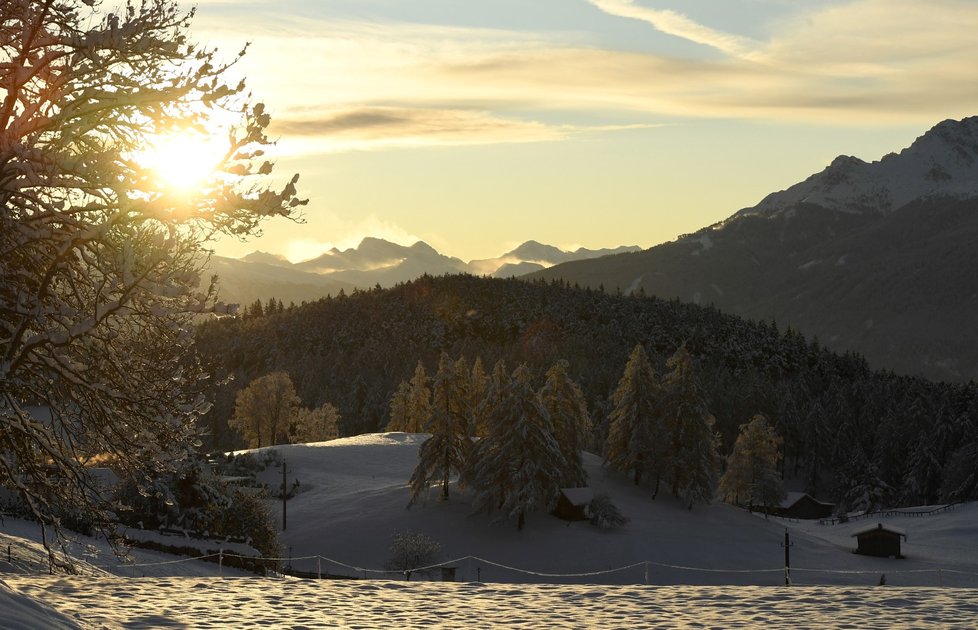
[[716, 565], [295, 603]]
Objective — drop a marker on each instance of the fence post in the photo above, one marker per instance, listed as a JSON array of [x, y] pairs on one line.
[[319, 567], [646, 571], [220, 561]]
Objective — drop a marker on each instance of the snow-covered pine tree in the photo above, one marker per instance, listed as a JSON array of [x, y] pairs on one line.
[[518, 466], [695, 460], [637, 435], [99, 263], [495, 391], [478, 384], [565, 403], [752, 468], [447, 450]]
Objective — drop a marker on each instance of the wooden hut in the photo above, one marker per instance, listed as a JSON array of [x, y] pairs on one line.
[[572, 504], [879, 540]]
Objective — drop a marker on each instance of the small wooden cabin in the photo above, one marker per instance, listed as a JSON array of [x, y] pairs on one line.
[[879, 540], [572, 504], [802, 505]]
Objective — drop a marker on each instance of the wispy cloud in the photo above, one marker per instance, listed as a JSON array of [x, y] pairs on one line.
[[361, 85], [678, 25]]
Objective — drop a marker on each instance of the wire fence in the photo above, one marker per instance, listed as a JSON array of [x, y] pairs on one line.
[[326, 566]]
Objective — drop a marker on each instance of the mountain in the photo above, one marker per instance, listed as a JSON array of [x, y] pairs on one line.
[[533, 256], [375, 261], [243, 282], [877, 257]]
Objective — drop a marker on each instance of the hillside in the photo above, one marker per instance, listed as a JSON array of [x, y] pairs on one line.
[[850, 434], [876, 258]]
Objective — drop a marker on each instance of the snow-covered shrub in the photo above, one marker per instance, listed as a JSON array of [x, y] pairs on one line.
[[604, 513], [411, 550]]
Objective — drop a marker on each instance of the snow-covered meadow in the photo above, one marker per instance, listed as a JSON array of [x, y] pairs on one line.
[[715, 565]]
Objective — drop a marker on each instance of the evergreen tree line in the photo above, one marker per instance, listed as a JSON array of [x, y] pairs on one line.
[[849, 434]]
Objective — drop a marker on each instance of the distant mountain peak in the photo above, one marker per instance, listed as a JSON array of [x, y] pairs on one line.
[[941, 163]]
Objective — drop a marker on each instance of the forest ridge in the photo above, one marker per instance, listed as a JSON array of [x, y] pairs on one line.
[[850, 434]]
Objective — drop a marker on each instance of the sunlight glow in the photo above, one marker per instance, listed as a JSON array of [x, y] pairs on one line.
[[183, 161]]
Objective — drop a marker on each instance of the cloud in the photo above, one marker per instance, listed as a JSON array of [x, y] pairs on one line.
[[360, 85], [378, 127], [370, 127], [678, 25]]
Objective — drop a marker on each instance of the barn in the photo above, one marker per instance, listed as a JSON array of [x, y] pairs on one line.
[[572, 504], [879, 540], [804, 506]]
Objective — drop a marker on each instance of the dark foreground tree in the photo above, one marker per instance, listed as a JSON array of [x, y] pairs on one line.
[[99, 262]]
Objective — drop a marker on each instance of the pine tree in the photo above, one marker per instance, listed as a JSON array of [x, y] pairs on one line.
[[398, 420], [695, 461], [495, 390], [478, 384], [447, 449], [518, 466], [419, 402], [752, 468], [637, 437], [564, 401]]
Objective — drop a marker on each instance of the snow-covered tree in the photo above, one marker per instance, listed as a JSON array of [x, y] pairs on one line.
[[99, 261], [411, 551], [314, 425], [694, 458], [493, 394], [564, 401], [446, 451], [637, 434], [517, 466], [752, 475], [263, 411], [398, 410], [478, 385]]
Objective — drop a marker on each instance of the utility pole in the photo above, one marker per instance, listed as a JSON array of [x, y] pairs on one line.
[[285, 498], [787, 558]]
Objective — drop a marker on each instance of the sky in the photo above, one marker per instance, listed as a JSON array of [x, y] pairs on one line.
[[475, 126]]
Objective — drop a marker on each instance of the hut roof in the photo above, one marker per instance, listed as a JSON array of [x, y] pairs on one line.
[[578, 496], [880, 527], [794, 497]]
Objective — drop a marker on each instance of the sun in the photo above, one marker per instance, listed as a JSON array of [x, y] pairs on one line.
[[182, 161]]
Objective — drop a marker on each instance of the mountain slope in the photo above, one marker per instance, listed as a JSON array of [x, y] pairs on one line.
[[878, 258]]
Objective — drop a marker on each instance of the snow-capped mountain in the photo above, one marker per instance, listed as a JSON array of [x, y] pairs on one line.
[[261, 275], [533, 256], [876, 257], [941, 163]]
